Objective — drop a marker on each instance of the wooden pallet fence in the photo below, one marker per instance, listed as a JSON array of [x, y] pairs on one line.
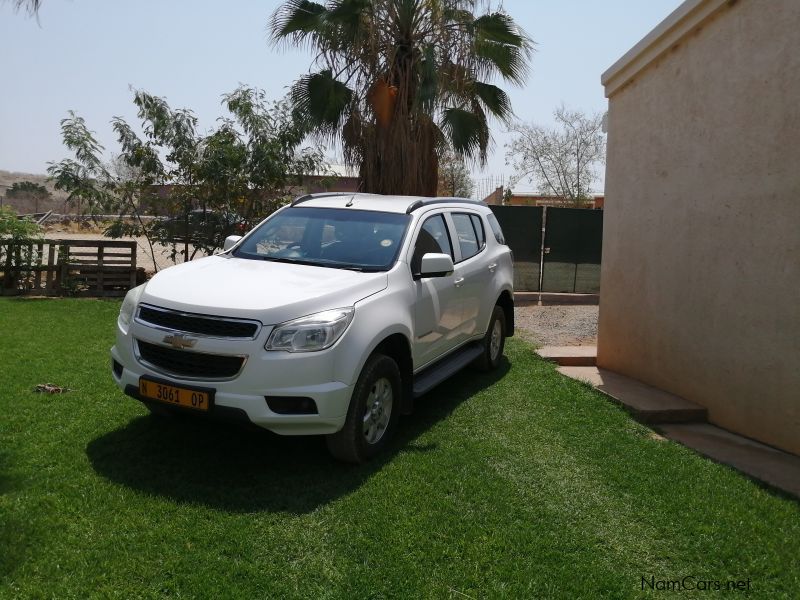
[[99, 268]]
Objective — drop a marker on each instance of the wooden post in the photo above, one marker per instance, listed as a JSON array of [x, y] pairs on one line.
[[38, 278], [7, 276], [63, 255], [100, 256], [51, 267], [133, 266]]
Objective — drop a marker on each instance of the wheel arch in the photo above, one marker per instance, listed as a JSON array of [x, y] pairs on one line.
[[397, 347], [506, 302]]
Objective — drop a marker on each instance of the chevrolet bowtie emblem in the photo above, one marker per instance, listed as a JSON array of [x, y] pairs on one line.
[[179, 341]]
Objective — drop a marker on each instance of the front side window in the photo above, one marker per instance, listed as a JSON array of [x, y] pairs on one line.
[[340, 238], [433, 237]]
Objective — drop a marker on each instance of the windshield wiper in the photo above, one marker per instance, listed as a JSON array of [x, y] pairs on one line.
[[321, 263], [293, 261], [359, 268]]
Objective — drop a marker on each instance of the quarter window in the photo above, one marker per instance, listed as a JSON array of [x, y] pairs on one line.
[[498, 232]]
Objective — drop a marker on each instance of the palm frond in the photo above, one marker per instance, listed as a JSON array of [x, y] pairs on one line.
[[296, 19], [321, 101], [30, 6], [495, 100], [429, 76], [499, 28], [501, 46], [467, 132], [347, 12]]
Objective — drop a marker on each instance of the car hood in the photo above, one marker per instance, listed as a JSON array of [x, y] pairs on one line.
[[269, 291]]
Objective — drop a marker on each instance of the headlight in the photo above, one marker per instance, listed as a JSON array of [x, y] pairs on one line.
[[129, 307], [311, 333]]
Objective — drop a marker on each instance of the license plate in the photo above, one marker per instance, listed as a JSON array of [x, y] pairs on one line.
[[171, 394]]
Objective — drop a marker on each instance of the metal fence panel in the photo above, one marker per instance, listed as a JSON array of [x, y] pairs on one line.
[[573, 249], [522, 228]]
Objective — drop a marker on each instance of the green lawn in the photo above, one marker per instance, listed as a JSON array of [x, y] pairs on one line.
[[519, 484]]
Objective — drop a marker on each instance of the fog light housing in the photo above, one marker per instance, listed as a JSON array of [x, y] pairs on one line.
[[291, 405]]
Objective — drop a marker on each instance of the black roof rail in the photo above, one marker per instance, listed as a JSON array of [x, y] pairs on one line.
[[307, 197], [445, 200]]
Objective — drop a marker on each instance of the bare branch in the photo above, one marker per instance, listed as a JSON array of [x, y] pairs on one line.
[[563, 160]]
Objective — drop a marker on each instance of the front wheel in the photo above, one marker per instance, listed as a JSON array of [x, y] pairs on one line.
[[493, 342], [372, 414]]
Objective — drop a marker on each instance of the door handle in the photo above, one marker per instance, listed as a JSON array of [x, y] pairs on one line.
[[459, 282], [492, 267]]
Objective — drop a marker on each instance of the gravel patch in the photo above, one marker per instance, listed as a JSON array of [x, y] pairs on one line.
[[563, 325]]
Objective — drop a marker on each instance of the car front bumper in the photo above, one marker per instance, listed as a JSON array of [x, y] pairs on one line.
[[244, 397]]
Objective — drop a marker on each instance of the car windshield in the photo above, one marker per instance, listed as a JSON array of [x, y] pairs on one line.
[[340, 238]]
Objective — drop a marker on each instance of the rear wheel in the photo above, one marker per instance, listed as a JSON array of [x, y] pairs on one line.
[[372, 414], [493, 342]]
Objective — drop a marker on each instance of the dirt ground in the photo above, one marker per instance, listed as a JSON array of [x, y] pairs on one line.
[[563, 325]]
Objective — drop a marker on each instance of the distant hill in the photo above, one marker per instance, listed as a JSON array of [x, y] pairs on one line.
[[9, 178]]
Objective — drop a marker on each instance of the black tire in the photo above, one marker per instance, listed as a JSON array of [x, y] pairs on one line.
[[351, 443], [492, 354]]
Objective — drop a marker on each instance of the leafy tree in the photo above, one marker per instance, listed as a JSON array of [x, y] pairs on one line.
[[561, 160], [27, 190], [454, 178], [16, 243], [244, 167], [399, 81], [14, 229]]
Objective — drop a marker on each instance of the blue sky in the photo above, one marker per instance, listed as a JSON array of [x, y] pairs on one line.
[[85, 55]]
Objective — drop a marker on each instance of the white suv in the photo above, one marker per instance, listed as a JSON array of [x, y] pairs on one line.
[[329, 317]]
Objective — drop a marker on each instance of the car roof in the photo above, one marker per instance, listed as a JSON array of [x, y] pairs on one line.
[[378, 202]]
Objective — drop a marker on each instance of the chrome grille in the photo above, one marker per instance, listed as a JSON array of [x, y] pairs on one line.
[[207, 325]]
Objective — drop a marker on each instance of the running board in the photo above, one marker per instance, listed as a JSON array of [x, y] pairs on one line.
[[436, 374]]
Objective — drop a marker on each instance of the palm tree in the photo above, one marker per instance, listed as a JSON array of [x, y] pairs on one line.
[[398, 82]]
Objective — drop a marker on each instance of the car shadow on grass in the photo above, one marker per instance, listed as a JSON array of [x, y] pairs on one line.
[[232, 468]]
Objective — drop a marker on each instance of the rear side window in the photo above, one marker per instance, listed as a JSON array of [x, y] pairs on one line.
[[432, 237], [498, 232], [477, 223], [467, 238]]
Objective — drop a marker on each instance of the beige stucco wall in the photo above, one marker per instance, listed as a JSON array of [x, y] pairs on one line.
[[700, 284]]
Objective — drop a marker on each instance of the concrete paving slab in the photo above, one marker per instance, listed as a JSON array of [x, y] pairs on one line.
[[684, 422], [570, 356], [645, 403], [769, 465]]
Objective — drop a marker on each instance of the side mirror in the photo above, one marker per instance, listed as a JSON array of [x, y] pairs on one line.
[[230, 242], [435, 265]]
